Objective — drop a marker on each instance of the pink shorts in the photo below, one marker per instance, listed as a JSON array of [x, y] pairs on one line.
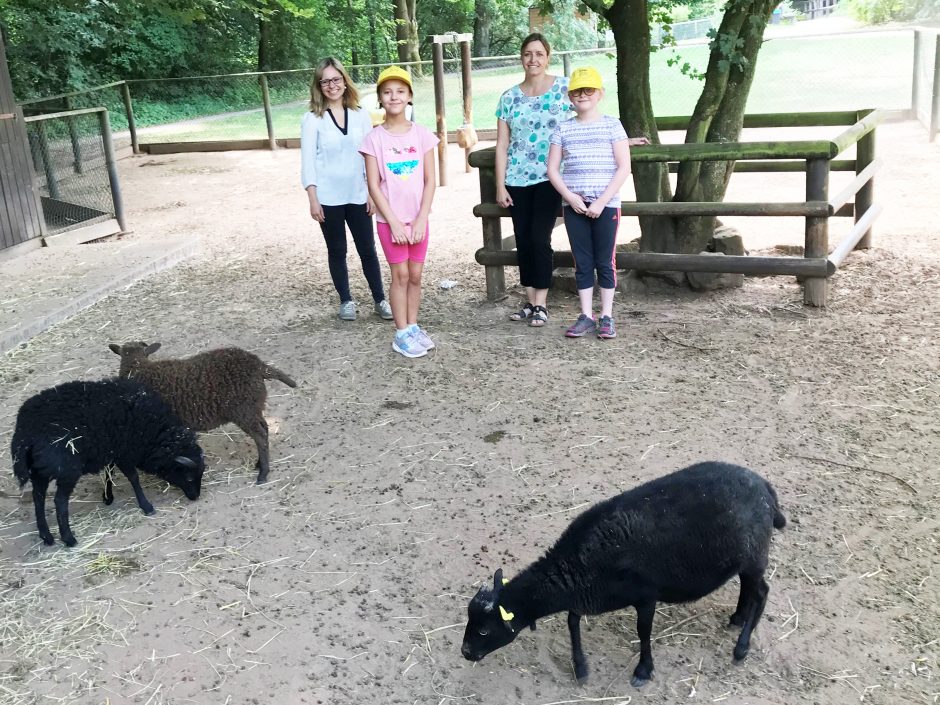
[[396, 254]]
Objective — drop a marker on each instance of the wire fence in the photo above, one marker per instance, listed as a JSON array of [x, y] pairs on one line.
[[71, 163], [794, 74]]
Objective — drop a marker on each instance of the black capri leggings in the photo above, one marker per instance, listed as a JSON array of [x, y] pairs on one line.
[[534, 209], [334, 232]]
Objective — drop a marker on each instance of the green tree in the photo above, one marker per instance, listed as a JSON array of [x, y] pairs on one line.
[[718, 115]]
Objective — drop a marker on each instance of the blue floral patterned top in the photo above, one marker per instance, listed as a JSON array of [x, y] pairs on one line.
[[531, 123]]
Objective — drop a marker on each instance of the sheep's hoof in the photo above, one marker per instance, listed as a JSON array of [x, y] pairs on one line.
[[149, 511], [69, 540], [107, 499], [261, 479], [740, 652], [736, 620], [47, 539], [641, 675]]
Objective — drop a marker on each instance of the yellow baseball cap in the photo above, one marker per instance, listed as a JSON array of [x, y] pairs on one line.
[[585, 77], [396, 72]]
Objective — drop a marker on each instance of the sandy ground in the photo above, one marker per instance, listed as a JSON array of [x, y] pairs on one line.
[[398, 487]]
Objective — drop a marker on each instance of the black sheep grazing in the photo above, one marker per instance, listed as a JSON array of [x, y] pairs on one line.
[[210, 389], [675, 539], [78, 428]]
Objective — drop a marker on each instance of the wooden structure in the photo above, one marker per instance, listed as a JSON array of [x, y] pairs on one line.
[[817, 158], [20, 215], [925, 81], [811, 9], [438, 41]]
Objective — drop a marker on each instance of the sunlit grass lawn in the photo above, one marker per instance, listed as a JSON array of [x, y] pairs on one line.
[[838, 72]]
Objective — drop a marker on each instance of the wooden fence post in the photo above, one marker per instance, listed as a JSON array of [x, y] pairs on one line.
[[935, 103], [111, 163], [467, 85], [73, 137], [566, 63], [268, 119], [438, 52], [864, 155], [129, 112], [817, 229]]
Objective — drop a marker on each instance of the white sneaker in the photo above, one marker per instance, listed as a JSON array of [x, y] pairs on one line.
[[408, 345], [424, 340]]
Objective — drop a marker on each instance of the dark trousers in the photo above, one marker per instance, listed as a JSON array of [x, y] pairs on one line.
[[534, 209], [334, 232], [592, 244]]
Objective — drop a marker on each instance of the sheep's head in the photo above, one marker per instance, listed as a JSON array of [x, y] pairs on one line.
[[186, 472], [132, 355], [489, 624]]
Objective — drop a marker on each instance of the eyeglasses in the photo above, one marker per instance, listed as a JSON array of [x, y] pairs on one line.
[[331, 82], [578, 92]]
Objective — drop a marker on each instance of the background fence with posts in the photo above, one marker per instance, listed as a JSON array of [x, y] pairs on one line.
[[817, 158], [925, 91], [834, 72]]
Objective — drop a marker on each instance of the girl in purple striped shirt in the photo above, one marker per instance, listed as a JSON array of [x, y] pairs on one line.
[[596, 155]]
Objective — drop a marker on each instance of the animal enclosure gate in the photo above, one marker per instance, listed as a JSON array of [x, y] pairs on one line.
[[816, 158]]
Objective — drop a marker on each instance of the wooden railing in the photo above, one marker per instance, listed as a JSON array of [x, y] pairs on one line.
[[817, 158]]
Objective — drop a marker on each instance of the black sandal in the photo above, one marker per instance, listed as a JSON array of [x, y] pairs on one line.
[[523, 314], [539, 317]]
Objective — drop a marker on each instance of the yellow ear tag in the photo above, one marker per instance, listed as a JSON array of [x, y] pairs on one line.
[[507, 616], [505, 581]]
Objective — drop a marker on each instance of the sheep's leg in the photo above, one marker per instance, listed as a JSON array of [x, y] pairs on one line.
[[258, 430], [63, 490], [142, 501], [40, 486], [577, 654], [108, 495], [644, 629], [761, 589], [744, 600]]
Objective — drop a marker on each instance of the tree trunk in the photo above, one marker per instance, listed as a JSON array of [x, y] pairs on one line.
[[264, 39], [482, 19], [406, 33], [718, 114]]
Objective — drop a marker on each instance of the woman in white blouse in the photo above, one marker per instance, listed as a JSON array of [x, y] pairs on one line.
[[333, 174]]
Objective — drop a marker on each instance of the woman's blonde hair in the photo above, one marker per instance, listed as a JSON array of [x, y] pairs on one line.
[[318, 101]]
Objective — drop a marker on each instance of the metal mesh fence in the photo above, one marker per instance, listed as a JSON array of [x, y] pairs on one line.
[[68, 156], [108, 96]]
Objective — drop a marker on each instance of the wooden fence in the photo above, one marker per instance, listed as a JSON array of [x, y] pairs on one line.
[[816, 158]]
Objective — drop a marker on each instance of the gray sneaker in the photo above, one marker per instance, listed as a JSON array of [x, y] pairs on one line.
[[347, 311], [424, 339], [581, 327], [383, 309]]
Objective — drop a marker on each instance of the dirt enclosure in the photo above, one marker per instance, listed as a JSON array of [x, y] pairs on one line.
[[398, 487]]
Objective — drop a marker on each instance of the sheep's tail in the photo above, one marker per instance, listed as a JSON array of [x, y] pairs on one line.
[[22, 462], [780, 521], [271, 372]]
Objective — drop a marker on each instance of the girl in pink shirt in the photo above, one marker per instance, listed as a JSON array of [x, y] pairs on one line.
[[401, 176]]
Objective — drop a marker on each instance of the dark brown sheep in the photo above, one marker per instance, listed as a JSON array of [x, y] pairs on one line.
[[210, 389]]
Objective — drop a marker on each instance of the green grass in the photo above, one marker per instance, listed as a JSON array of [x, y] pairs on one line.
[[839, 72]]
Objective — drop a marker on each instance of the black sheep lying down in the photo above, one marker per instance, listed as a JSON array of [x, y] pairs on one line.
[[675, 539], [78, 428]]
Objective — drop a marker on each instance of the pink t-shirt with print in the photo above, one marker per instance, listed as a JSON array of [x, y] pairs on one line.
[[401, 167]]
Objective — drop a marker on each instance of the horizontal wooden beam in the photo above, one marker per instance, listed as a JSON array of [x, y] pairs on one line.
[[851, 240], [839, 200], [451, 38], [64, 113], [656, 261], [857, 131], [817, 209], [220, 146], [820, 119]]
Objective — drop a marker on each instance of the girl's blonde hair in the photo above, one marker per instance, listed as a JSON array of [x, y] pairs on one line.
[[318, 101]]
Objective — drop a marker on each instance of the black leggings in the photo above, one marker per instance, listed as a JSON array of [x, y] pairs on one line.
[[592, 244], [334, 232], [534, 209]]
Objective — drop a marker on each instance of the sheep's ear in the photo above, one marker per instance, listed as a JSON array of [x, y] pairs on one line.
[[183, 460], [498, 581], [151, 349], [532, 626], [116, 349]]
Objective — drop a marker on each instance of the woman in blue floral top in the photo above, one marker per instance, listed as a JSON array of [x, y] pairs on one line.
[[527, 115]]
